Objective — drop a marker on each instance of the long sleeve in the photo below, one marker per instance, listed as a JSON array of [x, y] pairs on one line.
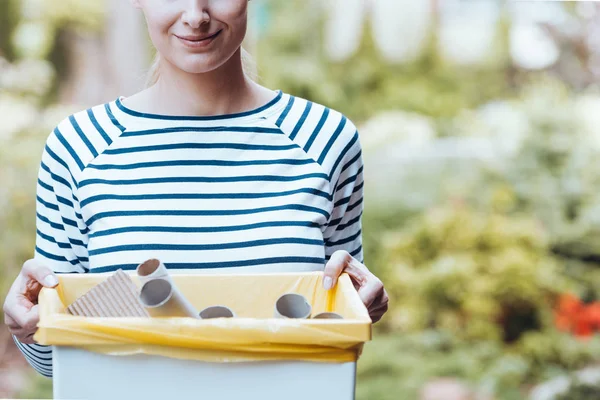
[[61, 234], [344, 230]]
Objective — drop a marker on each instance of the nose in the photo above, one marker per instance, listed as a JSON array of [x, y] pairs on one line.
[[195, 13]]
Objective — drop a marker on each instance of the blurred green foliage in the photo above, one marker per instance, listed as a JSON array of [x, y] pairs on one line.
[[581, 391], [19, 160], [472, 295], [472, 273], [556, 172], [39, 387], [405, 362], [291, 58], [8, 22], [484, 267]]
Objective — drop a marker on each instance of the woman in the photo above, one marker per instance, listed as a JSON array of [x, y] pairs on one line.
[[203, 169]]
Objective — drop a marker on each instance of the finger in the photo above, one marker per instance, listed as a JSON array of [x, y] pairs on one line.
[[370, 290], [26, 319], [28, 339], [357, 272], [10, 322], [385, 298], [379, 308], [376, 317], [16, 308], [380, 300], [334, 267], [42, 274], [377, 312], [18, 333]]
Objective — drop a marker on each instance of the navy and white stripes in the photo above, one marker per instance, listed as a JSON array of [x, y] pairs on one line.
[[38, 356], [279, 186]]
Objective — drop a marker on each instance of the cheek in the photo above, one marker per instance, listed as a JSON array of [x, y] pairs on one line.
[[232, 13], [160, 16], [228, 8]]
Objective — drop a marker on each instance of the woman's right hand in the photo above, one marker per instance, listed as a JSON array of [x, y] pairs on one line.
[[21, 313]]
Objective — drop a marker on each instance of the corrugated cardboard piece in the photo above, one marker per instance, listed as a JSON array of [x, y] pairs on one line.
[[116, 296]]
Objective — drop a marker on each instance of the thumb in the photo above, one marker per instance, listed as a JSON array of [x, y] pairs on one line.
[[32, 269], [334, 267]]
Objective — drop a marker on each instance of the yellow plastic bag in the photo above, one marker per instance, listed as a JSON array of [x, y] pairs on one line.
[[253, 335]]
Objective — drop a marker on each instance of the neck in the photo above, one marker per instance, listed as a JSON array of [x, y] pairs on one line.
[[224, 90]]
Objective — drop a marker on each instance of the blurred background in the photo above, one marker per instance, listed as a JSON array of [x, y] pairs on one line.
[[479, 122]]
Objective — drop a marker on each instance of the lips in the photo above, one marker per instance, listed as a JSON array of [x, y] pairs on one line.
[[199, 39]]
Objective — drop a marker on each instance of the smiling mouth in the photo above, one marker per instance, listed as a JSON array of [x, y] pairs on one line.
[[198, 40]]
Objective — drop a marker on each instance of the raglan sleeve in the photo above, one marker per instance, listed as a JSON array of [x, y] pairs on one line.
[[344, 229], [61, 234]]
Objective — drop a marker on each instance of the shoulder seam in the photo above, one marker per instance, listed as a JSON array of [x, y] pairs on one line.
[[117, 124], [70, 124], [301, 148], [307, 154]]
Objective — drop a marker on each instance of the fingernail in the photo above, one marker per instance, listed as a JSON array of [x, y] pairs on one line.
[[50, 281], [327, 282]]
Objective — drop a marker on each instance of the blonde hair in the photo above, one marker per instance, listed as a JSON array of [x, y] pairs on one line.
[[248, 65]]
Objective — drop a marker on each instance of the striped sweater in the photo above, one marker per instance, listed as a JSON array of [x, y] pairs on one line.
[[280, 186]]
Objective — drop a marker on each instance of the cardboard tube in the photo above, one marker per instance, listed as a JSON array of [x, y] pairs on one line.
[[152, 269], [216, 312], [162, 299], [328, 315], [292, 305]]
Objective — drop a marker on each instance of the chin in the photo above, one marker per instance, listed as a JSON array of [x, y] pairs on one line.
[[198, 64]]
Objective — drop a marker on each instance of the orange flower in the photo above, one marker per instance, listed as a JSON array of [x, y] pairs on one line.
[[583, 328], [562, 322], [592, 312], [569, 304], [572, 314], [588, 319]]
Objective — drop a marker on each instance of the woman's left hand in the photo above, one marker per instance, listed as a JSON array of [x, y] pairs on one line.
[[369, 287]]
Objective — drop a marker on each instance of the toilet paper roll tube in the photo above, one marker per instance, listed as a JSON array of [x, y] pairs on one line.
[[152, 269], [162, 299], [328, 315], [292, 305], [216, 312]]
